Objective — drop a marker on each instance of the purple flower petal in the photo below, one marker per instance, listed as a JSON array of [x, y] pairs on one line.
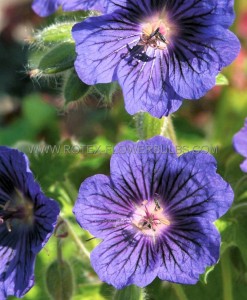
[[45, 8], [195, 189], [149, 85], [27, 220], [137, 168], [185, 250], [240, 145], [125, 258], [154, 214], [100, 207], [159, 52], [192, 72], [102, 35]]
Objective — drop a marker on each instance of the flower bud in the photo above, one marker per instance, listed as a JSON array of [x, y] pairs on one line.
[[57, 59], [53, 34], [59, 280]]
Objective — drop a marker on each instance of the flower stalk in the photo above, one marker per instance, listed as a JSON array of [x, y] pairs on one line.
[[147, 127]]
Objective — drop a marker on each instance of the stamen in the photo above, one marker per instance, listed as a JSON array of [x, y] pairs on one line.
[[150, 218], [8, 224], [17, 209]]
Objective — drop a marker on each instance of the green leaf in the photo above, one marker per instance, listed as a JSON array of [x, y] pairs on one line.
[[131, 292], [221, 79], [74, 88], [56, 60], [204, 277], [231, 110], [106, 91], [37, 116], [227, 229], [37, 112], [90, 292], [58, 159], [241, 237]]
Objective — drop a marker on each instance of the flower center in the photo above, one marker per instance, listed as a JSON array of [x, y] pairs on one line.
[[16, 210], [154, 35], [150, 219]]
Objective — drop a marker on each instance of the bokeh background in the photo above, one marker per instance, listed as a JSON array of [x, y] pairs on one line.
[[33, 114]]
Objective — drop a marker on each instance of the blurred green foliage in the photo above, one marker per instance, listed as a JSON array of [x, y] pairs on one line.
[[66, 144]]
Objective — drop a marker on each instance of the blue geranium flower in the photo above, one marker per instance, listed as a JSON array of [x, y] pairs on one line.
[[159, 51], [47, 7], [154, 213], [27, 220], [240, 145]]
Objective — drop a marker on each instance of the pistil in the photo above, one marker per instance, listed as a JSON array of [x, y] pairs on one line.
[[150, 219]]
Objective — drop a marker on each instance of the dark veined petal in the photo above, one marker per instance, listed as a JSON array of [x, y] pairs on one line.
[[19, 247], [146, 85], [2, 295], [194, 189], [101, 208], [202, 15], [46, 214], [17, 262], [125, 258], [240, 145], [187, 249], [24, 234], [191, 70], [14, 167], [169, 235], [154, 77], [45, 8], [137, 168], [100, 44], [71, 5]]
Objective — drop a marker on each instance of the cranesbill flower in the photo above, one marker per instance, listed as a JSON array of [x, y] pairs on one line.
[[27, 220], [159, 51], [45, 8], [240, 145], [154, 214]]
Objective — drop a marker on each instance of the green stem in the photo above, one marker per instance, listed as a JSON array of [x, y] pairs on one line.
[[178, 289], [148, 126], [59, 250], [226, 276], [76, 239], [139, 122], [167, 129], [238, 184], [239, 206]]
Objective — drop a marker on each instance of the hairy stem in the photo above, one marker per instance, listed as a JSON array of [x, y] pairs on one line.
[[76, 239], [148, 126], [167, 130]]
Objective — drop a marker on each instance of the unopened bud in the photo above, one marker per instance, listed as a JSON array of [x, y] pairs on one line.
[[59, 280]]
